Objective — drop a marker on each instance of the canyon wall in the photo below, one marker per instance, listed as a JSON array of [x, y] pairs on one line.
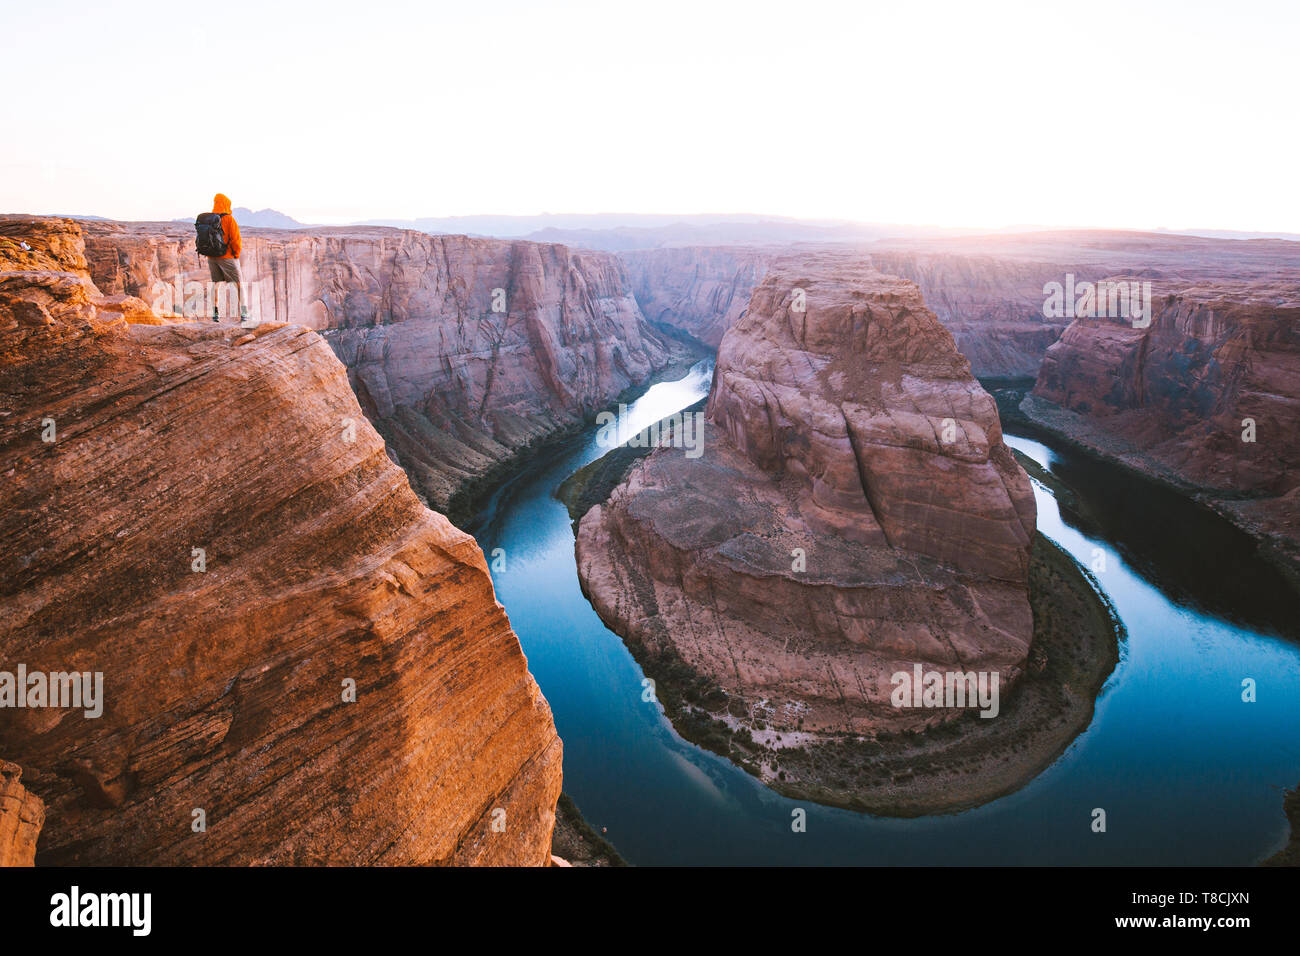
[[988, 290], [300, 663], [855, 512], [462, 352], [1207, 397], [21, 816], [992, 306], [699, 290]]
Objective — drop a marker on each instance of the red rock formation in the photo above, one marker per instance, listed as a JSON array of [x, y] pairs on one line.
[[988, 290], [700, 290], [21, 816], [993, 306], [1173, 399], [202, 515], [853, 434], [457, 376], [43, 244]]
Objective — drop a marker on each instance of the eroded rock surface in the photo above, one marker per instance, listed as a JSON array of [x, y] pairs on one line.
[[1178, 399], [463, 352], [21, 816], [201, 514], [988, 290], [851, 434], [52, 246], [699, 290]]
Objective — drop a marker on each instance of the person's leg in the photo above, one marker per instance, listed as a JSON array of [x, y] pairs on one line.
[[230, 273], [217, 276], [237, 278]]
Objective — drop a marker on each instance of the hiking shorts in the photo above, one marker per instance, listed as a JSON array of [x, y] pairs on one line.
[[224, 270]]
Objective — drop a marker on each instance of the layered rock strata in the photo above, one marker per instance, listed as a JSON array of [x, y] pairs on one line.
[[463, 352], [988, 290], [1205, 397], [21, 816], [285, 657], [699, 290], [855, 513]]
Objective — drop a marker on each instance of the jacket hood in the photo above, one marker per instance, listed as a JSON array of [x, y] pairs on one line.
[[221, 203]]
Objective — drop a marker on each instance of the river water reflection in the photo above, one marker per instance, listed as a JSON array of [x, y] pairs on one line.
[[1187, 772]]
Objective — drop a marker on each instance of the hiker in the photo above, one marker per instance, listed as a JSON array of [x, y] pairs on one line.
[[218, 239]]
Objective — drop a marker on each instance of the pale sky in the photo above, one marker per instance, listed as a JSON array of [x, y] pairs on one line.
[[1126, 114]]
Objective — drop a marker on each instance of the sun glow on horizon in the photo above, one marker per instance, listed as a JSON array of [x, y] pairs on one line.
[[1118, 115]]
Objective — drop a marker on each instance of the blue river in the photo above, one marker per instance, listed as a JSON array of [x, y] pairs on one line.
[[1187, 772]]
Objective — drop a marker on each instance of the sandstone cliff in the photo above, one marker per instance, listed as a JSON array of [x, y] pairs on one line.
[[988, 290], [699, 290], [300, 662], [1177, 400], [993, 306], [462, 351], [855, 512], [21, 817], [56, 248]]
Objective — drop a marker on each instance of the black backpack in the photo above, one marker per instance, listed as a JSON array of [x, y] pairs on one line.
[[210, 238]]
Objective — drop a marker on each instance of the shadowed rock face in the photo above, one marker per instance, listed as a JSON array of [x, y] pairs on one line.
[[988, 290], [1172, 400], [993, 306], [456, 375], [700, 290], [21, 817], [218, 531], [852, 434]]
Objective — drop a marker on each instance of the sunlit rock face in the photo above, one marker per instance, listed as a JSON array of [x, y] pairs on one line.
[[462, 351], [293, 660], [855, 511], [21, 816]]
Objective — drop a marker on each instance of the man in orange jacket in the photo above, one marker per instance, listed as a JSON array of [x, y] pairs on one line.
[[225, 268]]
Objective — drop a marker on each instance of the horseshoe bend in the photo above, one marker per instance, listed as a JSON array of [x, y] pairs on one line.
[[569, 435], [268, 585], [855, 519]]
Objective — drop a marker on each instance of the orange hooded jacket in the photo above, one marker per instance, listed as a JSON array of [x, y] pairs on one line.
[[221, 204]]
